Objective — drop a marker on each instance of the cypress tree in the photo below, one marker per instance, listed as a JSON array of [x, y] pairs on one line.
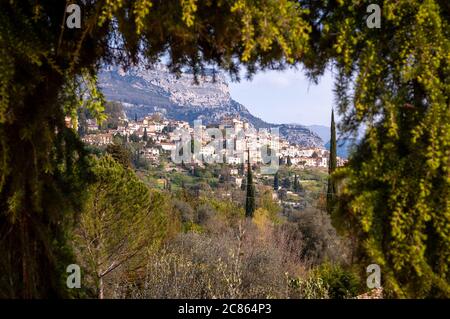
[[276, 182], [331, 190], [289, 162], [145, 137], [250, 198], [296, 185]]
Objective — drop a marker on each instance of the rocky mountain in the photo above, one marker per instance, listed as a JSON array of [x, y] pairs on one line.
[[145, 91]]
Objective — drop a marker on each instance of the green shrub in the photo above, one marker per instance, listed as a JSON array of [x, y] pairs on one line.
[[341, 283]]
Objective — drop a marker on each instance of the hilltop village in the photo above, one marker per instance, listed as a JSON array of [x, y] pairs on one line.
[[236, 140]]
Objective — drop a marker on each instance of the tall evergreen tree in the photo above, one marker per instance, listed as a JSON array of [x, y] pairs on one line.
[[331, 189], [145, 136], [289, 161], [250, 198], [118, 207], [297, 186], [276, 182]]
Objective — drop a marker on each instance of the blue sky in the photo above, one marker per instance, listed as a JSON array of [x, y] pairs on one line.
[[286, 97]]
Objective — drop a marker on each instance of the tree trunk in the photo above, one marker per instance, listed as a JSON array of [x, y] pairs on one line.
[[100, 288]]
